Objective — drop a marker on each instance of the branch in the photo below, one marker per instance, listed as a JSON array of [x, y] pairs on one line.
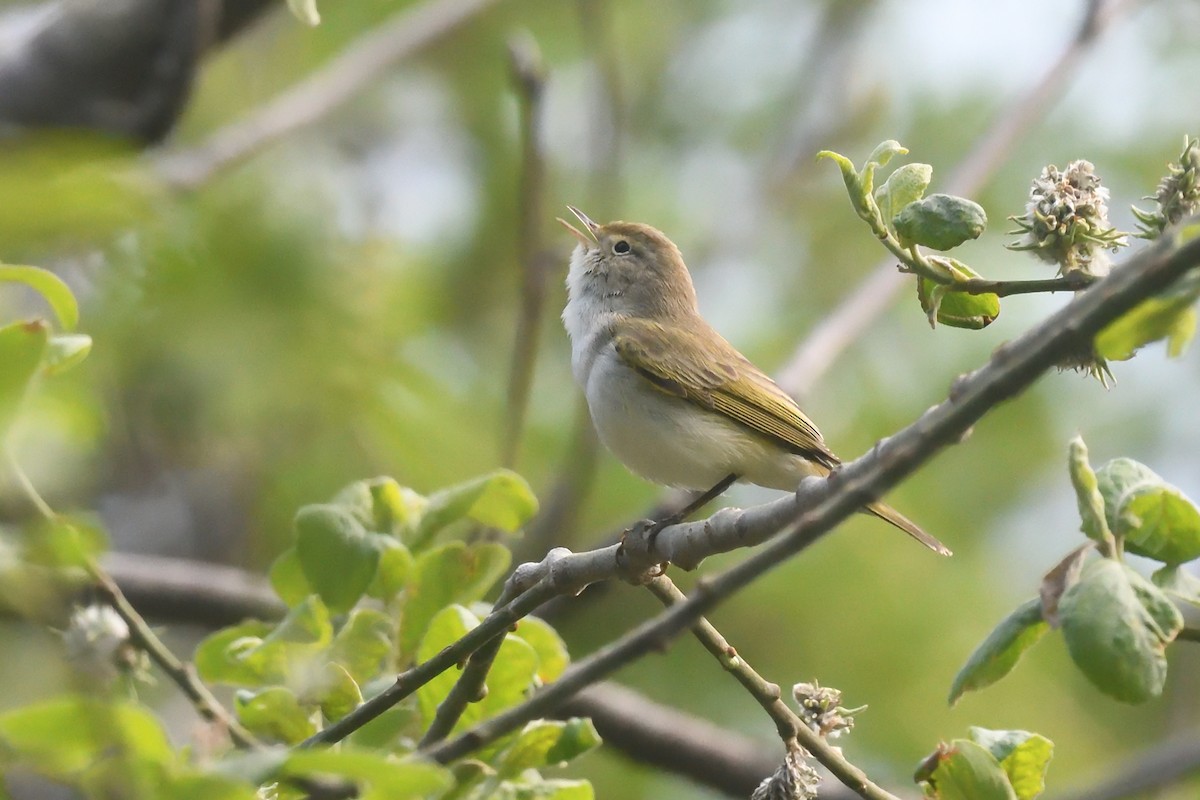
[[180, 673], [819, 504], [1072, 282], [141, 635], [529, 76], [316, 96], [211, 595], [471, 686], [862, 307], [788, 724]]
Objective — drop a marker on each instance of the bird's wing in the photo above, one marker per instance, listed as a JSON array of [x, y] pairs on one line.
[[709, 372]]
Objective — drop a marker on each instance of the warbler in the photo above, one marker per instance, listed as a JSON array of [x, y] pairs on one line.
[[668, 396]]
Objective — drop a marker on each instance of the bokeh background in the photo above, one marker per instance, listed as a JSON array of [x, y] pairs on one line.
[[344, 303]]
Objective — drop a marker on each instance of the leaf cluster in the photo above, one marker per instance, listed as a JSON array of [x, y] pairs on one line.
[[1116, 623]]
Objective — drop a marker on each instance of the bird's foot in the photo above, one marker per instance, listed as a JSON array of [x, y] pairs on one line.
[[636, 555]]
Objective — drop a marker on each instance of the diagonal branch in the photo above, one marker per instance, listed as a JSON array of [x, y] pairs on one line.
[[820, 504]]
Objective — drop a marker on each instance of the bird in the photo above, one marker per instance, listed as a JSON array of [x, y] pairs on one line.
[[671, 398]]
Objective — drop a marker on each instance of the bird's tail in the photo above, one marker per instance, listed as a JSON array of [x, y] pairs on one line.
[[889, 514]]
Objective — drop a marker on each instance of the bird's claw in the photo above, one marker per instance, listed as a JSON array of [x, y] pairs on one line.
[[635, 554]]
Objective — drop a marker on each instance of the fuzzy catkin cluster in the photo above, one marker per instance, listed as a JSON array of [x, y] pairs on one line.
[[1178, 193], [1066, 220]]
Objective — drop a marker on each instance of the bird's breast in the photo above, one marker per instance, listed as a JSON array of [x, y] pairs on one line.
[[664, 438]]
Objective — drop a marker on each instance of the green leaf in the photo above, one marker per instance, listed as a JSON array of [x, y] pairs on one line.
[[546, 743], [275, 714], [500, 499], [549, 646], [287, 578], [956, 309], [1155, 518], [205, 786], [383, 505], [1116, 480], [66, 735], [1024, 756], [388, 779], [1116, 625], [338, 555], [849, 176], [65, 351], [1179, 583], [339, 692], [940, 222], [72, 187], [508, 682], [1159, 522], [445, 628], [305, 11], [394, 570], [253, 653], [451, 573], [557, 789], [256, 766], [905, 185], [50, 286], [1168, 316], [966, 771], [883, 153], [1181, 333], [219, 656], [1087, 492], [22, 345], [1001, 650], [64, 543], [364, 643]]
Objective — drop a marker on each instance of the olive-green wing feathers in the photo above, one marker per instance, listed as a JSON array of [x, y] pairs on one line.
[[709, 372]]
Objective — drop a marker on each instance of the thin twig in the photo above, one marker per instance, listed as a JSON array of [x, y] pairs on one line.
[[529, 77], [141, 634], [180, 673], [864, 304], [766, 694], [211, 595], [316, 96], [826, 502], [471, 686], [1073, 282]]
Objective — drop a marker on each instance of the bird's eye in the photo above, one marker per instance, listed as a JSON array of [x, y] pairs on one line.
[[621, 247]]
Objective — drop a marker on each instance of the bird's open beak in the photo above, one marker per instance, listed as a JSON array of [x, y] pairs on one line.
[[587, 240]]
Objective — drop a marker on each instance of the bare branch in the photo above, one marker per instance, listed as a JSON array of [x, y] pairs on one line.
[[819, 504]]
